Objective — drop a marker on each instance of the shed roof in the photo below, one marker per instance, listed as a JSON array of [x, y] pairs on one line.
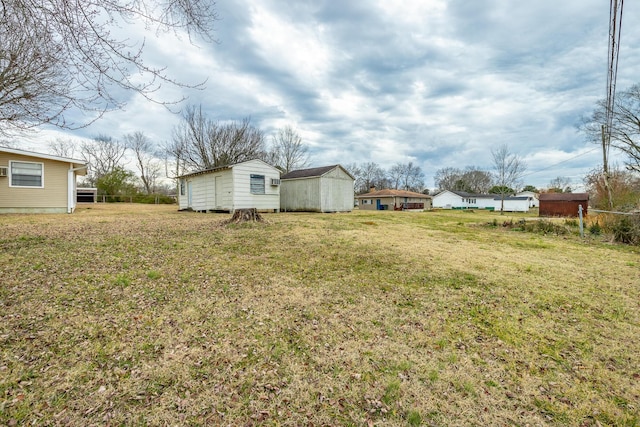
[[563, 197], [223, 167], [512, 198], [313, 172], [393, 193]]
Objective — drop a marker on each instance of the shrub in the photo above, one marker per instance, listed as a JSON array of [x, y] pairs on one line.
[[154, 198], [626, 230], [595, 229]]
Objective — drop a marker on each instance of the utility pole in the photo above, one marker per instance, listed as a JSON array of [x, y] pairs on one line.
[[615, 28]]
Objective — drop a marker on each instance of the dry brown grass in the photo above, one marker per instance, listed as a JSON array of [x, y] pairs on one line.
[[141, 315]]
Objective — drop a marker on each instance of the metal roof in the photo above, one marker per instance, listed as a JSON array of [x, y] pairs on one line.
[[563, 197], [312, 172]]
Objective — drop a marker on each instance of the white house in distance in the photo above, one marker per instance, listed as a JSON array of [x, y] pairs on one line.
[[462, 200], [38, 183], [245, 185], [322, 189]]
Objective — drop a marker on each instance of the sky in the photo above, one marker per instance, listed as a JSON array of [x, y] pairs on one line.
[[436, 82]]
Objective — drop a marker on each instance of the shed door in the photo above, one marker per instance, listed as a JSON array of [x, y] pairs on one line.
[[218, 189], [378, 204]]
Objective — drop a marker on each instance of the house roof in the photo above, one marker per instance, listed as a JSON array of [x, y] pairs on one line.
[[313, 172], [393, 193], [79, 165], [42, 156], [465, 194], [220, 168], [563, 197]]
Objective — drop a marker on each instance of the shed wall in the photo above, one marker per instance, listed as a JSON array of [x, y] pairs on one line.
[[300, 195], [513, 205], [331, 192], [336, 192], [242, 196], [203, 192], [563, 208]]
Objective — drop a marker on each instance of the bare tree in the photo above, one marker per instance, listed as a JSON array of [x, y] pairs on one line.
[[471, 179], [103, 154], [63, 147], [146, 161], [560, 184], [372, 176], [509, 169], [476, 180], [356, 172], [625, 187], [625, 127], [446, 178], [287, 150], [60, 55], [200, 143], [395, 175], [412, 178]]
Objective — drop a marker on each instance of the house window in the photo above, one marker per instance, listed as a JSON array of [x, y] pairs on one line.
[[182, 187], [257, 184], [26, 174]]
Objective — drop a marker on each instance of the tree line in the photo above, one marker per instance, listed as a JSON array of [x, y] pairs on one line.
[[198, 143]]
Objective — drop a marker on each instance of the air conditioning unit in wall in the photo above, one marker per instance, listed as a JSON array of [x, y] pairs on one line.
[[4, 171], [275, 181]]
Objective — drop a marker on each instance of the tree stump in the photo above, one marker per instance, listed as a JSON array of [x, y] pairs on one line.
[[245, 215]]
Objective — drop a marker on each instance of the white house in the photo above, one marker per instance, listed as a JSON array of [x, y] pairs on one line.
[[38, 183], [322, 189], [250, 184], [533, 198], [462, 200]]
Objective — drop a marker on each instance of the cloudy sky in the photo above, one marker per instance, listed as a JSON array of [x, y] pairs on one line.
[[436, 82]]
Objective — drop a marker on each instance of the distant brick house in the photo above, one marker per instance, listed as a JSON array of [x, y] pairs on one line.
[[398, 200], [563, 204]]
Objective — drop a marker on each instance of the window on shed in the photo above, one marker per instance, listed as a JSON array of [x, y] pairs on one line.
[[182, 187], [26, 174], [257, 184]]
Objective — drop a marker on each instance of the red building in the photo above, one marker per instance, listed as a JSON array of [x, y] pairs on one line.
[[563, 204]]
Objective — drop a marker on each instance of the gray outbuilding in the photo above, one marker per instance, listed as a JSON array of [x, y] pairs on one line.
[[322, 189]]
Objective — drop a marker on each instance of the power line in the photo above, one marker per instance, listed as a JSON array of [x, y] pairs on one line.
[[559, 163]]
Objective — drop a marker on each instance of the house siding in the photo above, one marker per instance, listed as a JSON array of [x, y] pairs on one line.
[[52, 197], [450, 200]]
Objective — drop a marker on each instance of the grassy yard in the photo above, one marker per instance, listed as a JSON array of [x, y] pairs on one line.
[[142, 315]]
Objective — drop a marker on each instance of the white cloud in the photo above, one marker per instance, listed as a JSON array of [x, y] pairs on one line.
[[439, 82]]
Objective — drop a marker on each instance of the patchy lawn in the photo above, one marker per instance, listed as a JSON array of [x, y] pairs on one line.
[[142, 315]]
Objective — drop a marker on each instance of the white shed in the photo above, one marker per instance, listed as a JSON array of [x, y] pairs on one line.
[[323, 189], [513, 203], [533, 198], [250, 184]]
